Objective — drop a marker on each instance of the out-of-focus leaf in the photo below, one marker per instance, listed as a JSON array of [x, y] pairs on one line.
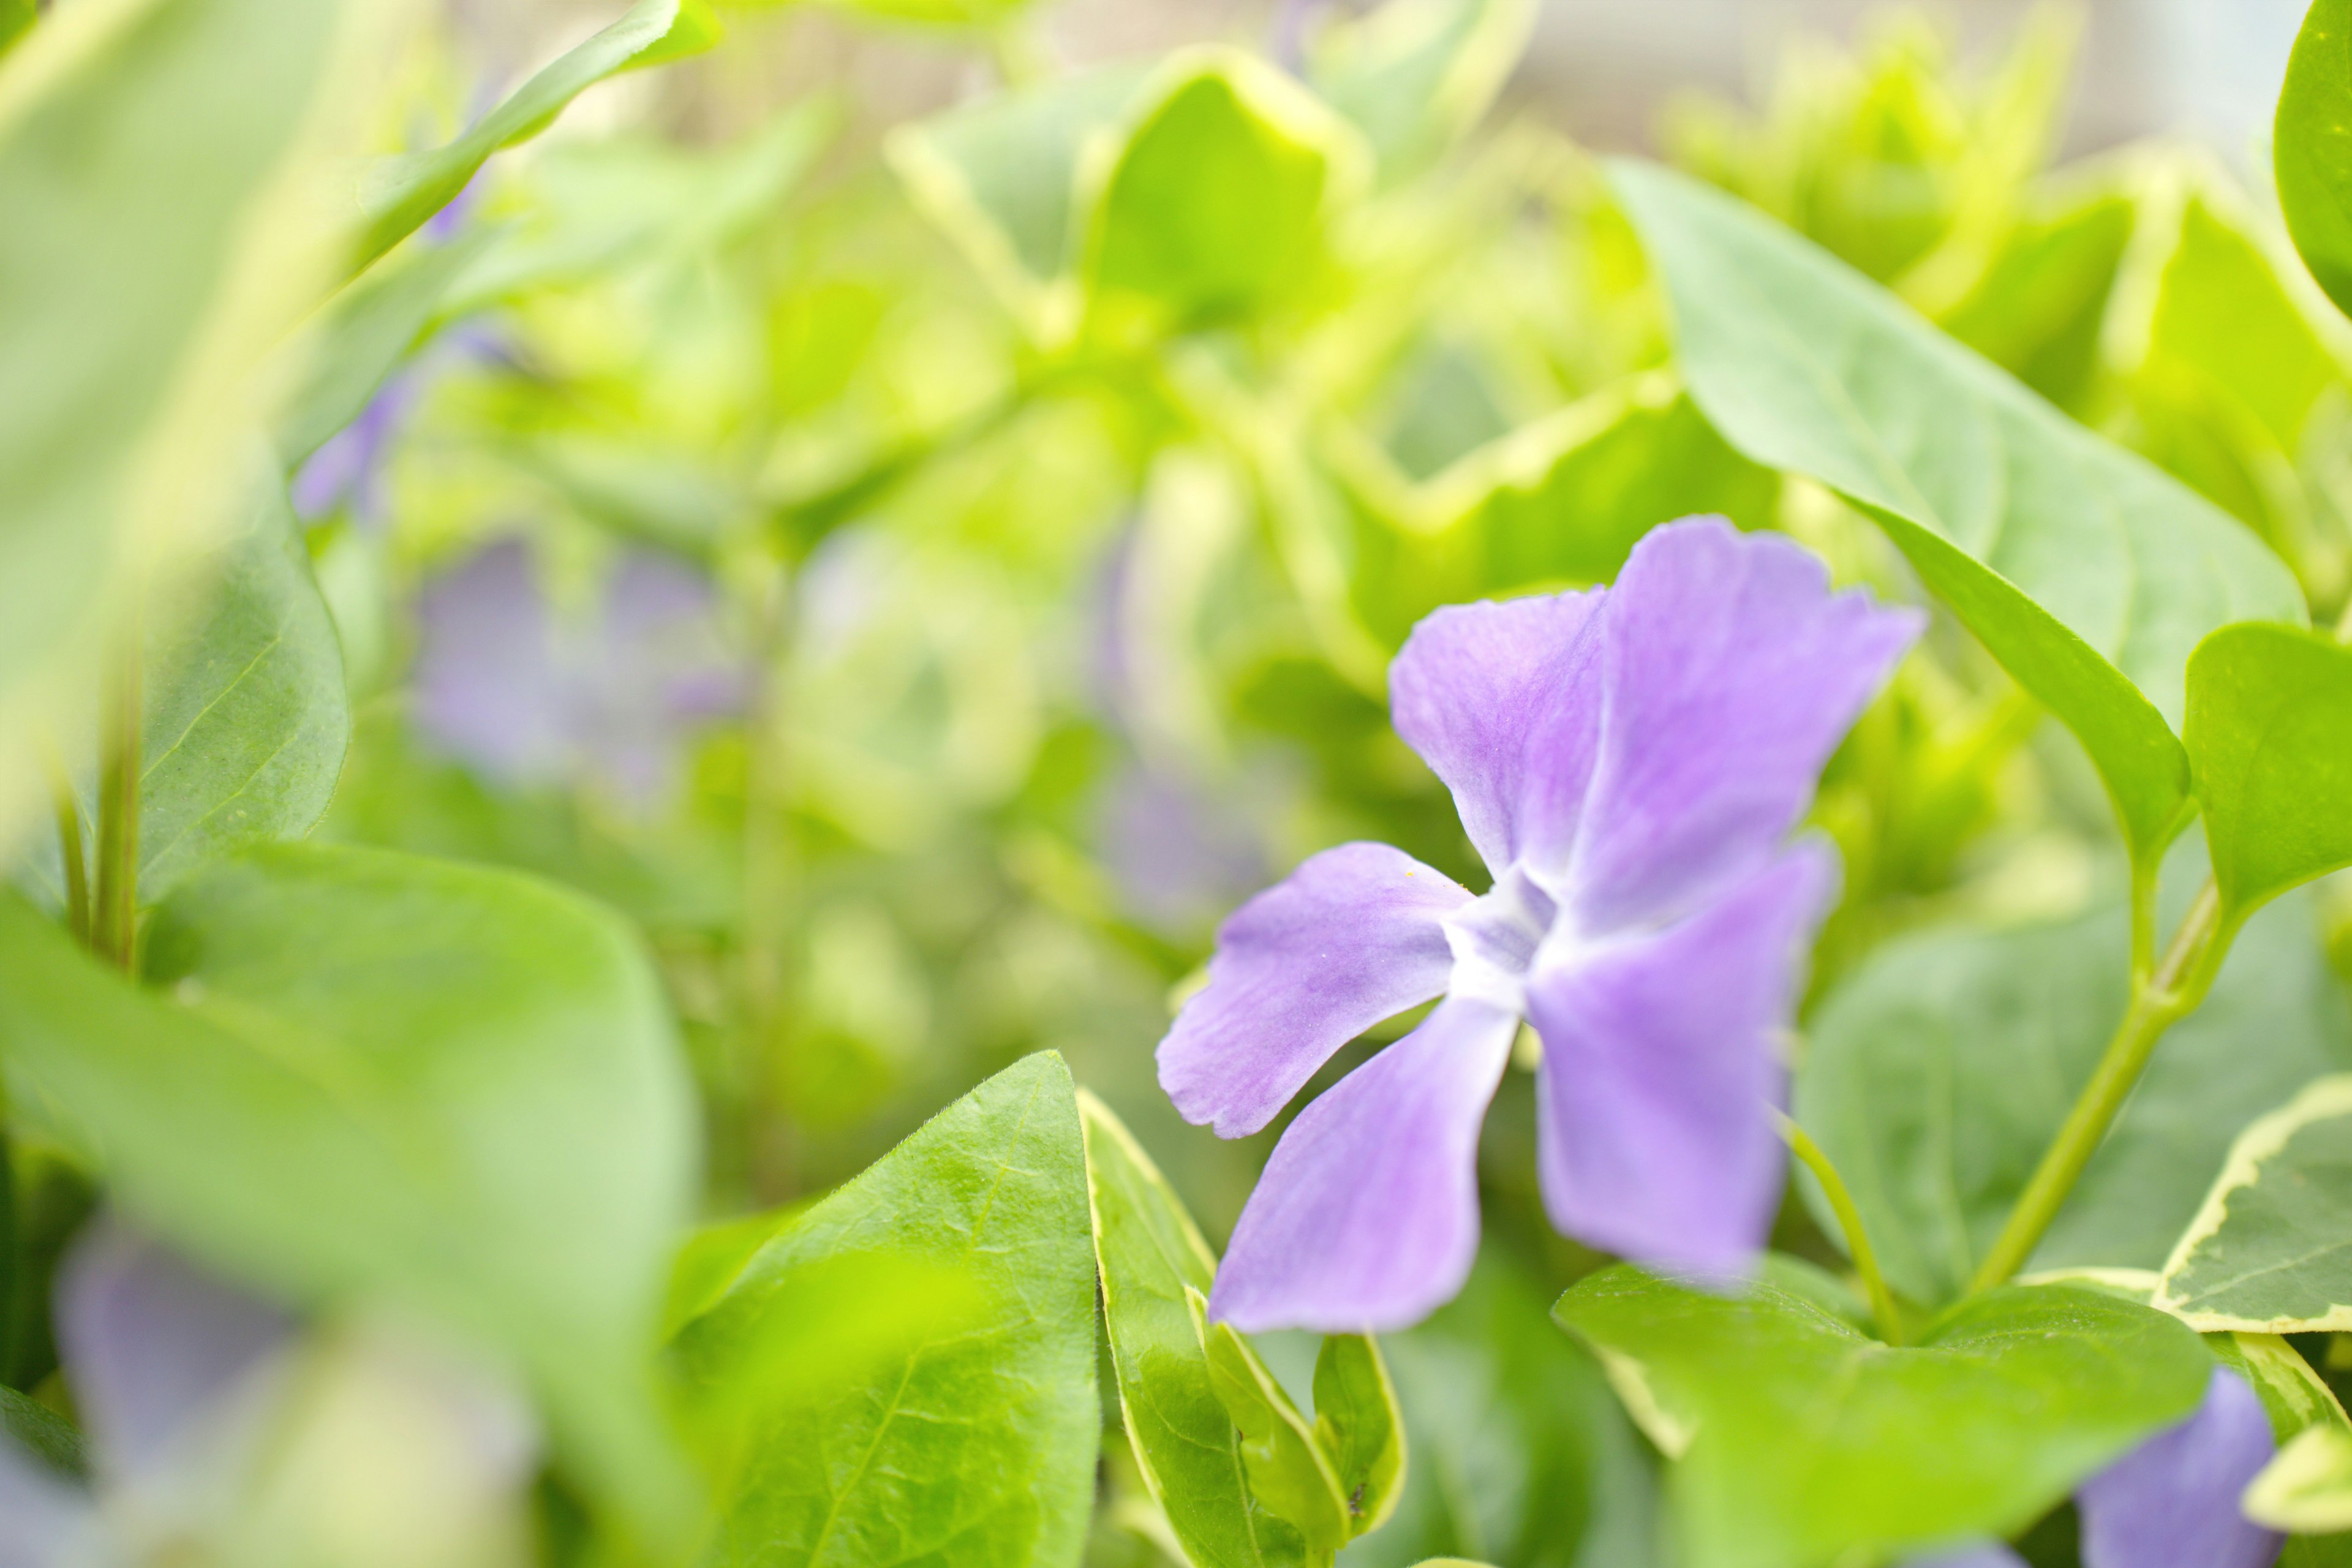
[[149, 255], [1936, 1075], [934, 13], [42, 1432], [1796, 1439], [245, 719], [2088, 573], [1520, 1453], [1288, 1470], [977, 1445], [1416, 75], [1213, 206], [16, 19], [2039, 307], [2271, 1252], [2269, 735], [1359, 1428], [385, 1079], [1152, 1263], [2311, 148], [395, 196], [2308, 1487], [999, 176]]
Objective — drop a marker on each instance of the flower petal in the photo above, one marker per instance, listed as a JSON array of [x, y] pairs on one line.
[[2172, 1503], [1728, 673], [1661, 1067], [44, 1521], [1349, 939], [155, 1350], [1473, 683], [1990, 1555], [1367, 1217]]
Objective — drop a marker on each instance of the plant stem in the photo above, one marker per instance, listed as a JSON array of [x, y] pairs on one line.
[[2174, 990], [1866, 1261], [70, 849], [114, 921]]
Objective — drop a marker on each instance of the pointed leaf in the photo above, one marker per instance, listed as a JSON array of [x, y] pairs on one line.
[[1796, 1439], [1287, 1469], [976, 1445], [1359, 1428], [2271, 1250], [2311, 147], [2089, 573], [2270, 737]]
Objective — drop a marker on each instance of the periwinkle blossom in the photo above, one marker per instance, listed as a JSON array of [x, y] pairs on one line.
[[1630, 763], [2172, 1502]]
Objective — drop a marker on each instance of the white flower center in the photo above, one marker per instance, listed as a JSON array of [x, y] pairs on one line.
[[1494, 942]]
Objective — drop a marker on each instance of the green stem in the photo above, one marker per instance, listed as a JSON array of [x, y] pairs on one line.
[[1866, 1261], [114, 921], [2173, 991], [70, 849]]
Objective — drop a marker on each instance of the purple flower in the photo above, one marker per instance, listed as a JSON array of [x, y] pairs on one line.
[[1628, 762], [2171, 1502]]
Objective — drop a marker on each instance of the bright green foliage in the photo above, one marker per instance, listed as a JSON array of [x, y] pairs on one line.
[[2088, 573], [1415, 77], [1212, 208], [1285, 1465], [2269, 735], [396, 194], [385, 1079], [936, 12], [132, 187], [1937, 1074], [1358, 1428], [976, 1443], [2306, 1487], [2312, 147], [16, 19], [1796, 1439], [2037, 309], [2270, 1251]]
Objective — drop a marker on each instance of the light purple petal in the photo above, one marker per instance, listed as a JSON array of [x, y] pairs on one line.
[[1367, 1217], [658, 669], [2172, 1503], [1349, 939], [488, 689], [1729, 673], [1474, 683], [1661, 1067], [1992, 1554], [1179, 853], [44, 1521], [153, 1348]]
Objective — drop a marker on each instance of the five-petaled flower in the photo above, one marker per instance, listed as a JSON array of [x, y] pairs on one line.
[[1630, 763]]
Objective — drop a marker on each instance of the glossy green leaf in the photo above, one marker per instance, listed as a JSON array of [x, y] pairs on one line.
[[37, 1430], [1213, 206], [2086, 572], [2270, 737], [1359, 1428], [141, 197], [396, 194], [1797, 1440], [1152, 1263], [977, 1445], [2271, 1250], [2311, 146], [1936, 1075], [1415, 75], [1519, 1452], [369, 1078], [999, 176]]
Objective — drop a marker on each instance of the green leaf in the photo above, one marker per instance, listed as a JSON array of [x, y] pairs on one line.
[[2311, 148], [396, 194], [2270, 738], [2308, 1486], [1213, 206], [41, 1432], [151, 251], [1152, 1263], [389, 1080], [1936, 1075], [16, 19], [935, 13], [978, 1445], [1359, 1428], [1286, 1466], [2038, 309], [2271, 1250], [1416, 75], [1796, 1439], [2086, 572]]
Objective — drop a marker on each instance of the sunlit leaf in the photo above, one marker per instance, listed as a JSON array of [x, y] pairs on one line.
[[2311, 146], [1416, 75], [2088, 573], [2308, 1487], [2270, 736], [370, 1079], [1796, 1439]]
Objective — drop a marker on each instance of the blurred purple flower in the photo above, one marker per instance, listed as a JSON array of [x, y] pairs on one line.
[[504, 685], [2171, 1502], [1628, 762], [348, 468], [1176, 853]]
